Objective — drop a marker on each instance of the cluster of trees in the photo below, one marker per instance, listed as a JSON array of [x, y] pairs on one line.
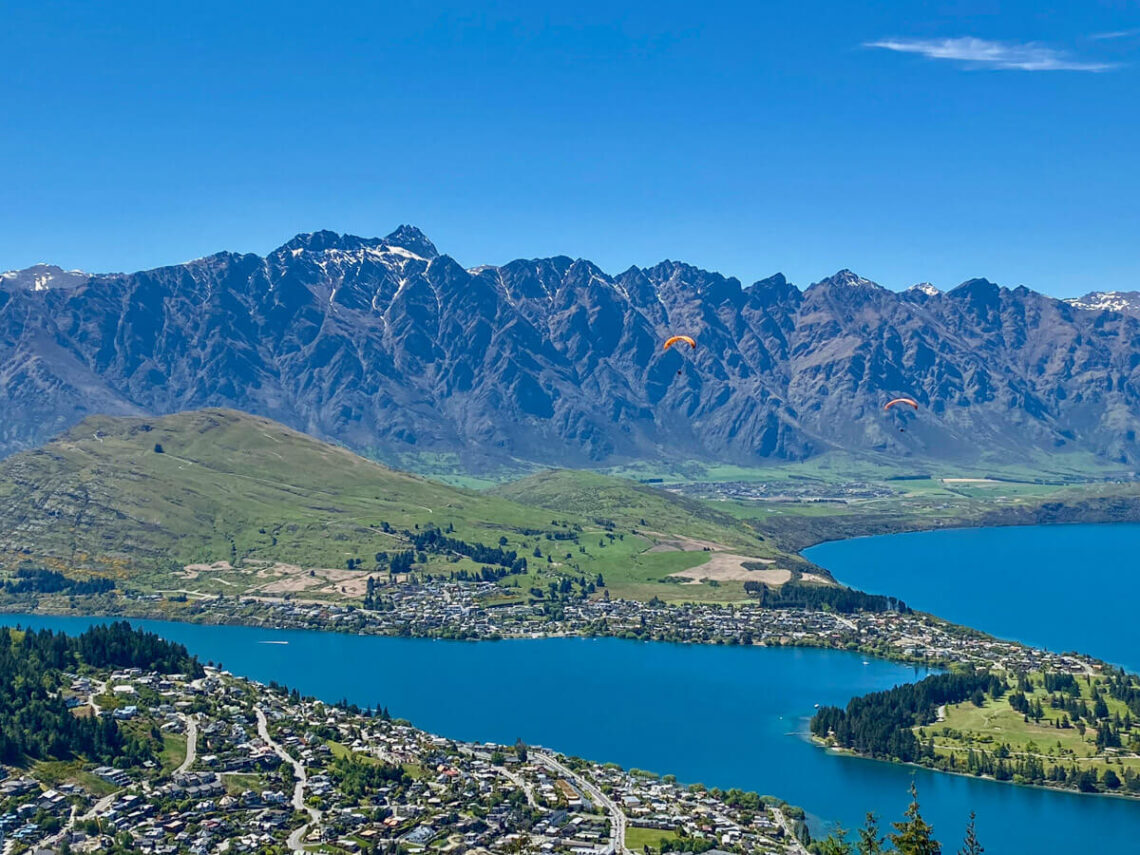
[[433, 541], [880, 724], [571, 531], [1125, 688], [563, 588], [1060, 682], [359, 778], [483, 574], [794, 595], [35, 721], [119, 645], [685, 843], [37, 580], [912, 836]]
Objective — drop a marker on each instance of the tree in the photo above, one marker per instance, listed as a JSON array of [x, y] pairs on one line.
[[158, 448], [971, 846], [835, 843], [914, 836], [870, 841], [1111, 780], [520, 750]]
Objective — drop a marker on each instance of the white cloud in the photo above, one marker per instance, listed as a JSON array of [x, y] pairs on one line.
[[1116, 34], [981, 53]]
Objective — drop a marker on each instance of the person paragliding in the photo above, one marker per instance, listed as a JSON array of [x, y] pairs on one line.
[[903, 402], [679, 339]]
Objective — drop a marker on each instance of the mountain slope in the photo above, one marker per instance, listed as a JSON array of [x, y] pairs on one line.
[[141, 499], [398, 352], [222, 482]]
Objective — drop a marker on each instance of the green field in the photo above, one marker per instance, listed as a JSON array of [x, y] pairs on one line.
[[173, 751], [636, 838], [237, 783]]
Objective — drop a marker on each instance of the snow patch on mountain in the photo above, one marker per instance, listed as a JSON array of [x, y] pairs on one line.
[[1125, 302], [925, 288], [42, 277]]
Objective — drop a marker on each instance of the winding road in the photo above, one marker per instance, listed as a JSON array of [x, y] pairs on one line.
[[299, 773]]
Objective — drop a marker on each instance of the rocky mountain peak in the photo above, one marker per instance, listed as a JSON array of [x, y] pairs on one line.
[[322, 241], [413, 240], [924, 288], [976, 288], [847, 279]]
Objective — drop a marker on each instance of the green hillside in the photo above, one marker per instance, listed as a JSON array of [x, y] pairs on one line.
[[630, 505], [269, 511]]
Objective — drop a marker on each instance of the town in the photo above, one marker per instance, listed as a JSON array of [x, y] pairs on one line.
[[255, 768]]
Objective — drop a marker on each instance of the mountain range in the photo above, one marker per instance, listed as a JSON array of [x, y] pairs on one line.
[[393, 349]]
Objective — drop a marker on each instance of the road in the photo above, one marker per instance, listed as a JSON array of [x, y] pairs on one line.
[[100, 689], [301, 777], [100, 806], [517, 780], [617, 815], [191, 744], [794, 845]]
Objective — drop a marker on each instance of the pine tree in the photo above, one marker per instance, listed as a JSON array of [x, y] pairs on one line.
[[870, 841], [914, 836], [971, 846]]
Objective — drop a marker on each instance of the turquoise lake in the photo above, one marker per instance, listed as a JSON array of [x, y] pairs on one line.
[[724, 716], [1064, 587]]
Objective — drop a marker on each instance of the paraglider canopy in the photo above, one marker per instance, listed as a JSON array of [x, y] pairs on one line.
[[910, 401], [669, 342]]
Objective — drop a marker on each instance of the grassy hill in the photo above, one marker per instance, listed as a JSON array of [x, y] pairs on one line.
[[630, 505], [252, 506]]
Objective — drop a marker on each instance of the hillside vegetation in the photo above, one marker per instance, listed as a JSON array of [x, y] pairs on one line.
[[216, 501]]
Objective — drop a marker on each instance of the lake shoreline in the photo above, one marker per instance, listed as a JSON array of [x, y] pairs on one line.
[[848, 752], [889, 654]]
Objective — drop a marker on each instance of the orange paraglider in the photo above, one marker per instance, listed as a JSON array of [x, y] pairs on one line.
[[672, 340], [910, 401], [669, 342]]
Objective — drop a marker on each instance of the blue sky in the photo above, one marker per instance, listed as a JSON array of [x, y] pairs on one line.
[[908, 141]]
